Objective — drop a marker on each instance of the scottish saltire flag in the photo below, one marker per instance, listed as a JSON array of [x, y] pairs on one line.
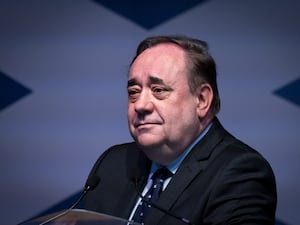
[[63, 68]]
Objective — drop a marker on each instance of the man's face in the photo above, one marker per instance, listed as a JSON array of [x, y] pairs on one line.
[[162, 112]]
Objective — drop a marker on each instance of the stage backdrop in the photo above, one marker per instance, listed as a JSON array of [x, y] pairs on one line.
[[63, 67]]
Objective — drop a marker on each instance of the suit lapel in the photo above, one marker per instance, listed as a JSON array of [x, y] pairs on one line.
[[191, 167], [183, 177]]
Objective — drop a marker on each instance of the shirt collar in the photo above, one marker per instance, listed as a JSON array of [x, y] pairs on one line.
[[176, 163]]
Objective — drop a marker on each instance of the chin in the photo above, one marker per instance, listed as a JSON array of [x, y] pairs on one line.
[[147, 142]]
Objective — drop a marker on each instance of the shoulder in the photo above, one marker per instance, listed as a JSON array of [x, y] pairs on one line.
[[220, 151], [226, 145], [120, 148], [115, 155]]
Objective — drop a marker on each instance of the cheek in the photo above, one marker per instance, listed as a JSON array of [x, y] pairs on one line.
[[130, 111], [183, 114]]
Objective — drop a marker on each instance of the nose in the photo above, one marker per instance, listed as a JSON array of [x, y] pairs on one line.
[[144, 104]]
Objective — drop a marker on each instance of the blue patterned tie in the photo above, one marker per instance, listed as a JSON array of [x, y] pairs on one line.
[[152, 195]]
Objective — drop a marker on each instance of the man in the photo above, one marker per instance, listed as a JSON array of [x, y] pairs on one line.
[[173, 100]]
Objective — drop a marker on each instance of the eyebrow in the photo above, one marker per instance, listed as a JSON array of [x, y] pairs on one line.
[[151, 80], [155, 80], [131, 82]]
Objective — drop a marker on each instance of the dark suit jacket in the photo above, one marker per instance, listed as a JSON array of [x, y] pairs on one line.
[[221, 181]]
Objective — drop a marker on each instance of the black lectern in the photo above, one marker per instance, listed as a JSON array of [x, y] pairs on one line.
[[79, 217]]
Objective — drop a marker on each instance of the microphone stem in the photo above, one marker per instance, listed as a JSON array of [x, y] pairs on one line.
[[69, 209], [55, 217]]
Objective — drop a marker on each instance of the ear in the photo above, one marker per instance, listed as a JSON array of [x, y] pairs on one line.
[[204, 99]]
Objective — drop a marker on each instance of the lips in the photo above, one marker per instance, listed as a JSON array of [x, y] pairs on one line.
[[141, 124]]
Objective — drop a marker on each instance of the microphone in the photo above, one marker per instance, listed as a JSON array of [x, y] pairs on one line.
[[90, 184], [136, 176]]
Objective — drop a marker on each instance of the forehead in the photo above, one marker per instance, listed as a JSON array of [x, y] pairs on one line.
[[160, 60], [166, 52]]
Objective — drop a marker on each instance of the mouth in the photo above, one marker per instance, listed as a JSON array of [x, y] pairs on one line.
[[144, 124]]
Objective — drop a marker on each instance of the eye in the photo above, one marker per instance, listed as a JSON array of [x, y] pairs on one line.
[[133, 93], [160, 92]]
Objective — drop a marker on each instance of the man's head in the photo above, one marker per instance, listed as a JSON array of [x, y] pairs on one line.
[[172, 95]]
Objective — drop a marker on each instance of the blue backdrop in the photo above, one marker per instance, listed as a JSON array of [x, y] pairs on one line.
[[63, 67]]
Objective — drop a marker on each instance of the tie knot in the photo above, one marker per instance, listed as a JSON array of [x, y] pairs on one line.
[[162, 174]]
